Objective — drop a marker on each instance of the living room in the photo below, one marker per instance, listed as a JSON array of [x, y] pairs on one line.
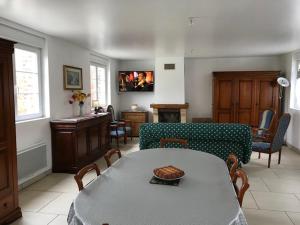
[[183, 45]]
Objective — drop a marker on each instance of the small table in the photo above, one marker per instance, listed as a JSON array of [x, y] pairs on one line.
[[124, 196]]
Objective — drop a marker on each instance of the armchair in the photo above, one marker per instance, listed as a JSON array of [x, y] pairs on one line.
[[265, 123], [273, 143], [123, 125]]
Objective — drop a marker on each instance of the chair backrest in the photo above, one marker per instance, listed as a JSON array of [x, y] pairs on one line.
[[109, 154], [110, 109], [278, 139], [240, 191], [165, 141], [232, 164], [266, 119], [78, 177]]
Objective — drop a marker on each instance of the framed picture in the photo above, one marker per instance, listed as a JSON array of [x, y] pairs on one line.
[[72, 78]]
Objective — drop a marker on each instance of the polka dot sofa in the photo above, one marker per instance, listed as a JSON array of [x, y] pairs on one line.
[[216, 139]]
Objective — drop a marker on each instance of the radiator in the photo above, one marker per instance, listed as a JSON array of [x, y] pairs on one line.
[[31, 162]]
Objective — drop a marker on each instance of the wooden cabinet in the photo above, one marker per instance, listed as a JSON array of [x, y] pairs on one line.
[[241, 96], [137, 118], [79, 141], [9, 208]]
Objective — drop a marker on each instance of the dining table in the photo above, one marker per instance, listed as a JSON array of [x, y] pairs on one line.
[[122, 194]]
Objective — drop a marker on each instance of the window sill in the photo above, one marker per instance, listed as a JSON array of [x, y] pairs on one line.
[[32, 120]]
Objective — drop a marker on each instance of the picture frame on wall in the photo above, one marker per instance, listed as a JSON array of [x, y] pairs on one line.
[[72, 78]]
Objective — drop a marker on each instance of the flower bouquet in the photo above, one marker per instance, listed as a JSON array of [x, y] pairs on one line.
[[79, 97]]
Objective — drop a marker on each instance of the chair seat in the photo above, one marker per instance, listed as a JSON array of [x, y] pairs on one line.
[[260, 146], [126, 128], [120, 133]]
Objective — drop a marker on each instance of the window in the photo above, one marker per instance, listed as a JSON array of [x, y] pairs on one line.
[[297, 86], [98, 84], [28, 96]]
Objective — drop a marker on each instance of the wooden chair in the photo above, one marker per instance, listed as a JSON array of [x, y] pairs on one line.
[[240, 191], [164, 141], [273, 143], [126, 124], [232, 164], [78, 177], [109, 154], [117, 131]]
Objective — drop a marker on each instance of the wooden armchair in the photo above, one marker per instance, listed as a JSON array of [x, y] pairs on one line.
[[240, 191], [81, 173], [232, 164], [265, 123], [117, 131], [109, 154], [124, 125], [165, 141]]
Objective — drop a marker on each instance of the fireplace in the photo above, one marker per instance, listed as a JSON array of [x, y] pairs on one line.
[[169, 113]]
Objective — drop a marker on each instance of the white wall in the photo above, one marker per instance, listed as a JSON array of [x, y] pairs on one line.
[[56, 53], [169, 84], [294, 127], [198, 78]]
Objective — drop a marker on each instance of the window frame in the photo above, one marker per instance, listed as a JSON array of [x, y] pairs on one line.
[[106, 82], [38, 51]]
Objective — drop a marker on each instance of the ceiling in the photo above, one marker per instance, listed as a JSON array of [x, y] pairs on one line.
[[139, 29]]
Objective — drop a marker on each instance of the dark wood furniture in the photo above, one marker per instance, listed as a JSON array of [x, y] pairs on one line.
[[137, 118], [9, 205], [109, 154], [78, 177], [241, 96], [232, 164], [165, 141], [202, 120], [240, 191], [78, 142]]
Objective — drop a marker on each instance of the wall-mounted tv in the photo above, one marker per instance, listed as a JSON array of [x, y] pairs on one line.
[[136, 81]]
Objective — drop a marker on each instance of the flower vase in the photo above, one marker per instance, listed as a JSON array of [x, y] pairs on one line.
[[81, 109]]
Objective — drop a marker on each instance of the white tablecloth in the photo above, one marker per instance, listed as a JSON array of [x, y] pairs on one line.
[[124, 196]]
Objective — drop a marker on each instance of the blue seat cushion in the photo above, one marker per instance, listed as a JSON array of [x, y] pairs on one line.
[[260, 146], [128, 129], [120, 133]]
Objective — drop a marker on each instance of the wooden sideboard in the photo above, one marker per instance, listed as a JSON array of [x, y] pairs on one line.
[[9, 205], [137, 118], [77, 142]]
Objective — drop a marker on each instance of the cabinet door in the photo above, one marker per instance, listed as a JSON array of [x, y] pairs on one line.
[[224, 100], [7, 133], [267, 97], [245, 101]]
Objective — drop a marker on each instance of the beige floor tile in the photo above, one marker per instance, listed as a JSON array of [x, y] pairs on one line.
[[248, 201], [259, 171], [61, 205], [257, 184], [288, 173], [295, 217], [60, 220], [283, 185], [263, 217], [30, 218], [35, 200], [63, 183], [276, 201]]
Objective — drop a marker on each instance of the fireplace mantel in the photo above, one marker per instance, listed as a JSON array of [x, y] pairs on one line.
[[182, 108], [169, 106]]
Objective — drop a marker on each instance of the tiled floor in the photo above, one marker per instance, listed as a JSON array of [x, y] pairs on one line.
[[273, 198]]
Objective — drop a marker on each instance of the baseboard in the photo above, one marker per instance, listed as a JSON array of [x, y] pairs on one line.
[[293, 147]]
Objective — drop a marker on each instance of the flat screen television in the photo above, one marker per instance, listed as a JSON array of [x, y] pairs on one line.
[[136, 81]]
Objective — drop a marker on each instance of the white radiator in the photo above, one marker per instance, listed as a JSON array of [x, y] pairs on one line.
[[31, 162]]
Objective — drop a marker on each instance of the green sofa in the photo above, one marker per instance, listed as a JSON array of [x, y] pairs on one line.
[[216, 139]]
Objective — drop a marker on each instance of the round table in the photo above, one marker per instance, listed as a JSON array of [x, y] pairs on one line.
[[124, 196]]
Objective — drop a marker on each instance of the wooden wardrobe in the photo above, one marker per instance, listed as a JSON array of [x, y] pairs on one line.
[[241, 96], [9, 206]]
